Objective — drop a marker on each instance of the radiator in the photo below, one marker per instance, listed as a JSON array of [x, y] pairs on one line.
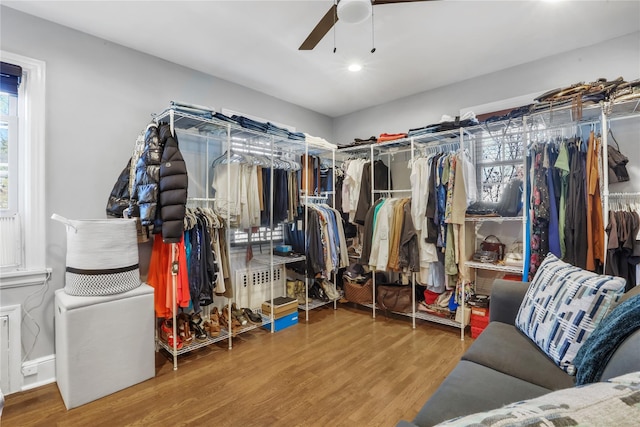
[[4, 353], [11, 379], [253, 285]]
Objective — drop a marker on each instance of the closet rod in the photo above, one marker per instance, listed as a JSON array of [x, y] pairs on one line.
[[625, 195], [391, 151], [630, 116], [202, 199], [392, 191], [566, 125]]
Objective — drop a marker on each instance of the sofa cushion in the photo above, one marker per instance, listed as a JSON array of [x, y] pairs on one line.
[[562, 307], [505, 349], [613, 403], [471, 388]]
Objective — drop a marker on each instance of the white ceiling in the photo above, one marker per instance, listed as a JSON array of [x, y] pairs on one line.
[[419, 46]]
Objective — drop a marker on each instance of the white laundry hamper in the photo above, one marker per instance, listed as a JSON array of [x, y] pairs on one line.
[[102, 256]]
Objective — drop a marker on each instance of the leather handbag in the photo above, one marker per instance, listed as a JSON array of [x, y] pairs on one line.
[[394, 298], [493, 244], [358, 292]]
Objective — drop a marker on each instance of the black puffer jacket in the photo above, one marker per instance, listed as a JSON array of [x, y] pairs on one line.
[[173, 182], [119, 197], [145, 189]]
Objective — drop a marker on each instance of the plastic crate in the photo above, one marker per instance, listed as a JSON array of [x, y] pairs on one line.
[[476, 331]]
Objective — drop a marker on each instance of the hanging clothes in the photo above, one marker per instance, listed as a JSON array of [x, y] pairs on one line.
[[623, 249], [562, 164], [575, 221], [160, 277], [207, 258], [326, 248], [540, 209], [243, 190], [553, 184], [595, 221], [351, 187], [381, 181]]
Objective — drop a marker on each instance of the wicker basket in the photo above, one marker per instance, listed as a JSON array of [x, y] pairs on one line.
[[360, 293], [102, 256]]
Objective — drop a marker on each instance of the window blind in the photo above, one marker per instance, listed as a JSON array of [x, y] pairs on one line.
[[10, 78]]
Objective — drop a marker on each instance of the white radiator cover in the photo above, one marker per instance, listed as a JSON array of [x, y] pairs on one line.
[[253, 285], [11, 349]]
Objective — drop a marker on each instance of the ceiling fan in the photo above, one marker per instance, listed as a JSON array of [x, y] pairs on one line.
[[350, 11]]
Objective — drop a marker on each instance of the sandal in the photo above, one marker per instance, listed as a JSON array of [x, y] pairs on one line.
[[198, 326], [166, 334], [253, 317], [231, 324], [238, 314], [212, 326], [184, 330]]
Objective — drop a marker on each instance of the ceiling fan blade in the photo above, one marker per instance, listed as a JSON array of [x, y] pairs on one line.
[[323, 27], [376, 2]]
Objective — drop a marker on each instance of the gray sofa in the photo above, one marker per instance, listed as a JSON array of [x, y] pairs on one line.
[[504, 366]]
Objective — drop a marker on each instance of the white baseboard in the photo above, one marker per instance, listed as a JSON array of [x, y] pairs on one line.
[[39, 372]]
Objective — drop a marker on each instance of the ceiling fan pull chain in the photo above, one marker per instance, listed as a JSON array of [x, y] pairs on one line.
[[335, 19], [373, 41]]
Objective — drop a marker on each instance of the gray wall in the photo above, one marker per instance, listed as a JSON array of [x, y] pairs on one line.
[[99, 97], [611, 59]]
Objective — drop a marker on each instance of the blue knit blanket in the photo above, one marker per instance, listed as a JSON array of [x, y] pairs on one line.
[[597, 350]]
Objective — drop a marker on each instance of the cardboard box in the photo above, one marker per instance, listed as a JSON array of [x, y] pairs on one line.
[[281, 306], [281, 314], [283, 322]]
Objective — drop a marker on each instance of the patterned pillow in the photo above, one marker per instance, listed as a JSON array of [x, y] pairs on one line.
[[562, 307], [612, 403]]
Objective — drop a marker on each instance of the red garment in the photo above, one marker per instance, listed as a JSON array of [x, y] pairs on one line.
[[391, 136], [430, 297], [161, 279]]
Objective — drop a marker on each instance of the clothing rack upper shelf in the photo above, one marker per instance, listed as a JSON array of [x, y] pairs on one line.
[[213, 127]]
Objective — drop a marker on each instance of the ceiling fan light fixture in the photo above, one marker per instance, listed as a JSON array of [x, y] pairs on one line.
[[354, 11], [354, 68]]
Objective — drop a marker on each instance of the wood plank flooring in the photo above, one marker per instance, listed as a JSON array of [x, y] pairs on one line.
[[342, 368]]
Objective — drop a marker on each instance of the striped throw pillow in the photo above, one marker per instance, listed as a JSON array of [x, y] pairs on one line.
[[562, 307]]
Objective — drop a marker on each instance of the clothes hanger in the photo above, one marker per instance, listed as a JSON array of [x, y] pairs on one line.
[[613, 138]]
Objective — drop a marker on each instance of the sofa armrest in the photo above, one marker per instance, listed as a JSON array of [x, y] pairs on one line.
[[506, 297]]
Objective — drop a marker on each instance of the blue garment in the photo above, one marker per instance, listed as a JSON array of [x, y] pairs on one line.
[[334, 236], [554, 228], [297, 136], [441, 202], [277, 131], [184, 108], [247, 123], [330, 238], [224, 118]]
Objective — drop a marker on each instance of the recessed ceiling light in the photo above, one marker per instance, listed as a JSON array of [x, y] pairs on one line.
[[355, 67]]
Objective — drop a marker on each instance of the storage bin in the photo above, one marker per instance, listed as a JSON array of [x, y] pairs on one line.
[[103, 344], [283, 322], [479, 320], [475, 331], [102, 256]]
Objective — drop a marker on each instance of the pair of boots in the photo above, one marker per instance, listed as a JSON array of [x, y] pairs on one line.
[[329, 289], [296, 289]]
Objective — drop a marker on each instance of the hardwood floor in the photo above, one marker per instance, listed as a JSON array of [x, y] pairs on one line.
[[342, 368]]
